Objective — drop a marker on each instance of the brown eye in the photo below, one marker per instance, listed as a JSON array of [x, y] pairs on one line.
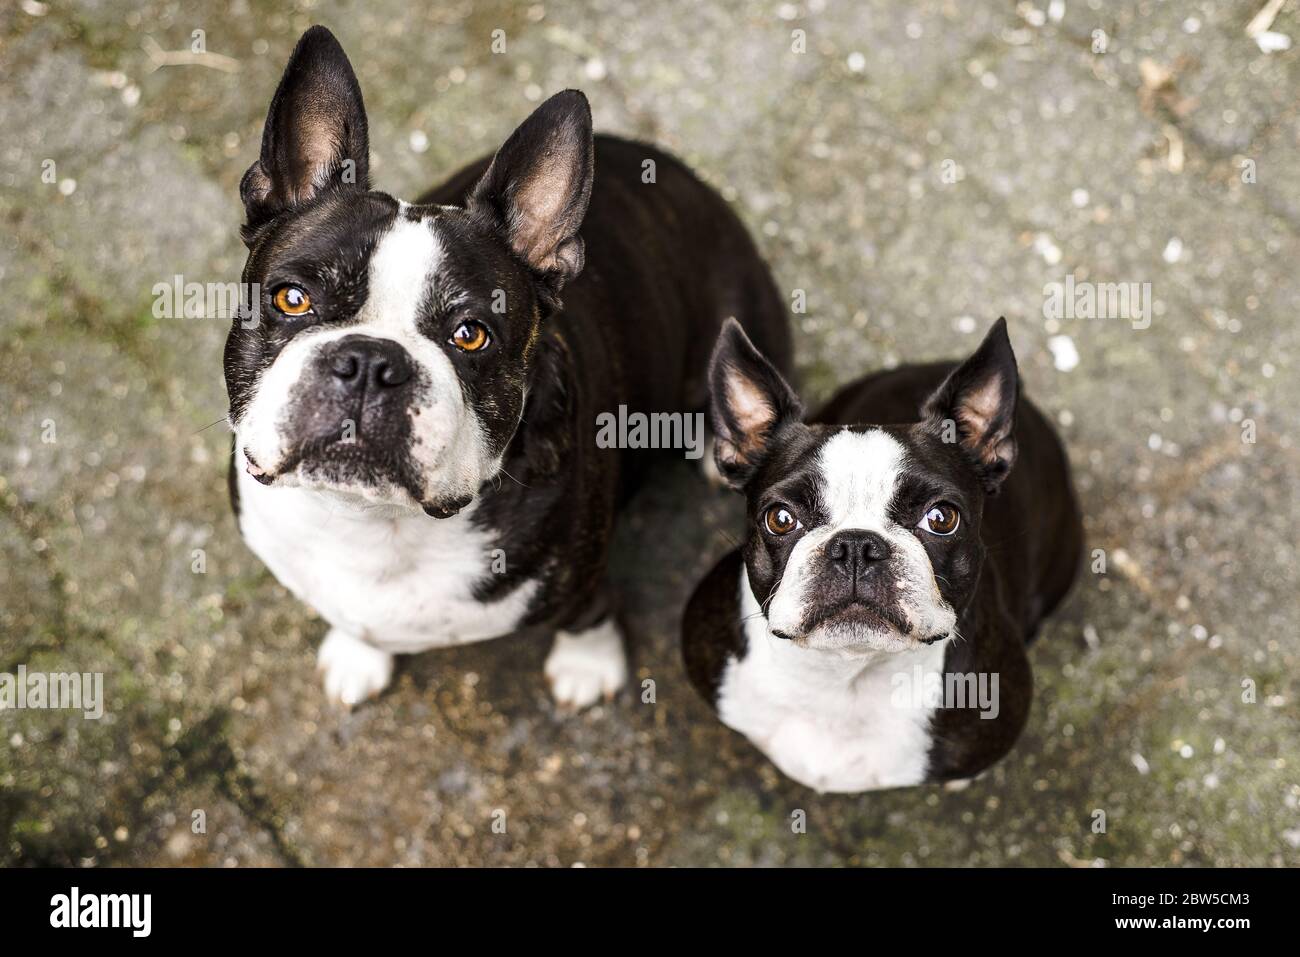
[[470, 336], [292, 300], [780, 520], [941, 519]]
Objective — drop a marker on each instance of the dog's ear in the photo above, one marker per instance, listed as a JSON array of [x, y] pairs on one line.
[[315, 135], [537, 188], [748, 401], [976, 407]]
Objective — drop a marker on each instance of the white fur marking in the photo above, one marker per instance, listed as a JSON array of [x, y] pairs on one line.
[[398, 579], [860, 471], [354, 670], [827, 718], [585, 666]]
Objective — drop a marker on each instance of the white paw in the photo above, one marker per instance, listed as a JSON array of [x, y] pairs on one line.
[[584, 667], [354, 670]]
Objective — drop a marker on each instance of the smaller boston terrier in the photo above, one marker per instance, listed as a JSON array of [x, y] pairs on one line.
[[871, 631]]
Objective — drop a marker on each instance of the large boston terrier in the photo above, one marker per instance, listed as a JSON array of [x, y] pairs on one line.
[[415, 413], [871, 631]]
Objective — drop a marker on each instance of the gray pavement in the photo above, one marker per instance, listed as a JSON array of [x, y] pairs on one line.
[[919, 170]]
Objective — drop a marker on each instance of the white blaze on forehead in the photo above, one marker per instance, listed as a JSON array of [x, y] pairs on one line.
[[401, 265], [448, 444], [860, 472]]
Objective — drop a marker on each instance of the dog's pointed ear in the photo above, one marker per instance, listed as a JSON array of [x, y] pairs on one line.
[[537, 188], [315, 136], [748, 401], [976, 407]]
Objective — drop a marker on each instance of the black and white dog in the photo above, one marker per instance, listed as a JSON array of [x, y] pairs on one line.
[[871, 631], [415, 413]]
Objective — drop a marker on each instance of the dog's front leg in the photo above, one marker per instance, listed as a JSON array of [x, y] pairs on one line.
[[587, 661], [354, 670]]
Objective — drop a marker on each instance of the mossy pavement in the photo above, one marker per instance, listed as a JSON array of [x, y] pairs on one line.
[[919, 170]]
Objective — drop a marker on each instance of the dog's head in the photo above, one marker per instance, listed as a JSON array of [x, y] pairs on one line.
[[387, 354], [866, 537]]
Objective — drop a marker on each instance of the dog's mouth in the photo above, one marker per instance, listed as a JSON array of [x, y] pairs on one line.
[[355, 465], [859, 627], [256, 471], [333, 455], [334, 462], [856, 616], [858, 611]]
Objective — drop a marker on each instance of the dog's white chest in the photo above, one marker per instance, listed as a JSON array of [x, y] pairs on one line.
[[829, 723], [402, 582]]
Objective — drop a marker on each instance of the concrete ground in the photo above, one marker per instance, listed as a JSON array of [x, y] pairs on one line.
[[918, 170]]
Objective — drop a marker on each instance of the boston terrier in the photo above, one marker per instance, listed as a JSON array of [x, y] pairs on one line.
[[871, 631], [414, 409]]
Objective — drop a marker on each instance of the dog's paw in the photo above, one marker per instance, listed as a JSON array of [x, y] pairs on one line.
[[586, 666], [353, 670]]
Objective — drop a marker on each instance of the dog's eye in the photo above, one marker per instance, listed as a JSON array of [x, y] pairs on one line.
[[292, 300], [780, 520], [470, 336], [942, 519]]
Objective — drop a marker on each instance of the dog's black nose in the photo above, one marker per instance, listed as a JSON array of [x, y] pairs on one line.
[[364, 362], [855, 549]]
